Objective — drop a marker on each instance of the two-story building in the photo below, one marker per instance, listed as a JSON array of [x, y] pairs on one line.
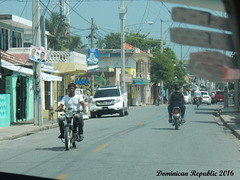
[[137, 73], [16, 74], [16, 80]]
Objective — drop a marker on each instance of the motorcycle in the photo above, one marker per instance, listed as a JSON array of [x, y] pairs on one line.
[[197, 100], [176, 117], [158, 101], [70, 137]]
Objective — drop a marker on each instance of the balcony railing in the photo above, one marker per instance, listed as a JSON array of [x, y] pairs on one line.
[[66, 57]]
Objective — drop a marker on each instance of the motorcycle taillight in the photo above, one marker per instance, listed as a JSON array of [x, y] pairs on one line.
[[197, 99]]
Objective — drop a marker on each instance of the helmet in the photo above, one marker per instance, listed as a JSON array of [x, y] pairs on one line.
[[176, 87]]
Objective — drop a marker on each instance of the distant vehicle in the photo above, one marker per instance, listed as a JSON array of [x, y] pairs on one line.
[[109, 100], [213, 99], [206, 98], [188, 97], [219, 96], [197, 94]]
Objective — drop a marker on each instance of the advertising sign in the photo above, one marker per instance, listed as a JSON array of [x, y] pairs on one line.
[[92, 57], [37, 54]]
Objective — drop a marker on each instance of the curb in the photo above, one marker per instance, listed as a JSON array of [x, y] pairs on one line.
[[235, 133], [27, 133]]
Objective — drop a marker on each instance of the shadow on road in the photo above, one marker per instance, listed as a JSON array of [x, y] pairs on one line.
[[164, 128], [107, 116], [204, 112], [209, 122], [62, 148], [203, 109]]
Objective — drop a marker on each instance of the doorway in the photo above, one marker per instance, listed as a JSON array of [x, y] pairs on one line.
[[21, 97]]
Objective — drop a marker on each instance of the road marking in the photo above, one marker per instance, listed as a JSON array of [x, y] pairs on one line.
[[138, 123], [62, 176], [98, 149], [123, 132]]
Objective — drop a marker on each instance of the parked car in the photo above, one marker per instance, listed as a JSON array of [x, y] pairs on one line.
[[213, 99], [219, 96], [109, 100], [188, 97], [206, 98]]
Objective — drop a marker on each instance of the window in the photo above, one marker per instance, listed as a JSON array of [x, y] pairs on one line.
[[16, 39], [3, 39], [107, 93], [140, 68]]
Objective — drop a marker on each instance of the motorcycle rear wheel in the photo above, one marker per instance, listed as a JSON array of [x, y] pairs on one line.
[[67, 138], [74, 144], [176, 124]]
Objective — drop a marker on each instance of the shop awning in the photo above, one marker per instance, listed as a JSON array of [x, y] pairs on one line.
[[139, 81], [27, 71], [70, 67]]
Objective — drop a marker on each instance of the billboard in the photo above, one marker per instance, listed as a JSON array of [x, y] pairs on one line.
[[92, 57], [37, 54]]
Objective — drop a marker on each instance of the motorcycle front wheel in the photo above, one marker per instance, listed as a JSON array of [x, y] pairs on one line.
[[67, 138]]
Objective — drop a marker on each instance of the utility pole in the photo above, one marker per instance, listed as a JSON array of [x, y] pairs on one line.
[[42, 25], [236, 96], [225, 83], [0, 64], [122, 17], [92, 46], [162, 52], [38, 108], [161, 36]]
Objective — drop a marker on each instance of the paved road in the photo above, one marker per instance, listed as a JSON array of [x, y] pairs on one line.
[[139, 146]]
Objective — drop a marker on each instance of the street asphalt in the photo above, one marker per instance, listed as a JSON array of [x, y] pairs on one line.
[[228, 116]]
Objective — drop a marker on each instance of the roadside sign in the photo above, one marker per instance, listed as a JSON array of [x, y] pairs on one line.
[[37, 54], [92, 57]]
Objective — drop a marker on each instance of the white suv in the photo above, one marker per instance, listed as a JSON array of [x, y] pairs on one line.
[[109, 100]]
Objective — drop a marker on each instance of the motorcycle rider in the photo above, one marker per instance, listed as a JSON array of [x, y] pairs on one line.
[[176, 99], [197, 94], [74, 101]]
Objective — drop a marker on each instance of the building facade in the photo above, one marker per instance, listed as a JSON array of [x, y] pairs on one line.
[[137, 73]]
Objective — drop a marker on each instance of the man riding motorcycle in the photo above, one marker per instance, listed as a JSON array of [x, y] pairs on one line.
[[197, 94], [74, 101], [176, 99]]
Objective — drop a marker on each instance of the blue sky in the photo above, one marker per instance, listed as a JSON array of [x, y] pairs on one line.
[[106, 17]]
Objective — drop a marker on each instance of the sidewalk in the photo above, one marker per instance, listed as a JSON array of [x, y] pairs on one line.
[[24, 128], [230, 117]]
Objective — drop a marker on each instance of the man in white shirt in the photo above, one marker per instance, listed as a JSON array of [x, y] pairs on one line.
[[74, 101], [197, 94]]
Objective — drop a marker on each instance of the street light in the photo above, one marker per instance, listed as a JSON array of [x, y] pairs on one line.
[[122, 17], [146, 22]]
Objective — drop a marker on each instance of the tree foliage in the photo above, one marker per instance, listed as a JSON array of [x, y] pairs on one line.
[[113, 41], [141, 41], [161, 68], [164, 66], [59, 40]]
